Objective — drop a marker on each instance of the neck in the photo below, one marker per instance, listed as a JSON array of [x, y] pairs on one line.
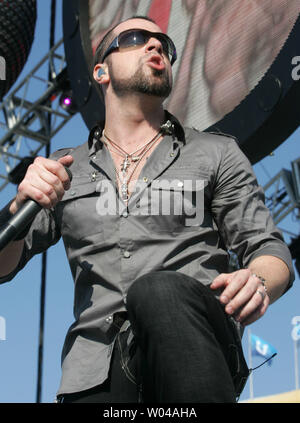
[[131, 121]]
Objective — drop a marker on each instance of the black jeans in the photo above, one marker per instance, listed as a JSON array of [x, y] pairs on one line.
[[184, 349]]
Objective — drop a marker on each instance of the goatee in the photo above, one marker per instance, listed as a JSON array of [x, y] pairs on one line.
[[158, 84]]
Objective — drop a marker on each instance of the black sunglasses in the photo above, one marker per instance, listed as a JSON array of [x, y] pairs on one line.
[[139, 37]]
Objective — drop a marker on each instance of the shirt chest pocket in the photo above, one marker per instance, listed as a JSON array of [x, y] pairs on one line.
[[77, 210], [177, 202]]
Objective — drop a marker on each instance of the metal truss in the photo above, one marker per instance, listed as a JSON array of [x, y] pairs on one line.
[[31, 115], [281, 193]]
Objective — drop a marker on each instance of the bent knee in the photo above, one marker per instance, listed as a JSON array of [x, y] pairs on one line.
[[160, 287]]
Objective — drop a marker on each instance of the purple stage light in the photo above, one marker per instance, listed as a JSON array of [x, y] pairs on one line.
[[67, 102]]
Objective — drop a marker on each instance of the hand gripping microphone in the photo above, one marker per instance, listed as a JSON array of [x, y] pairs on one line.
[[21, 219]]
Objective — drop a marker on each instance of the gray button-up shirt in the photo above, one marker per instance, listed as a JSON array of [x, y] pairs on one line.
[[197, 198]]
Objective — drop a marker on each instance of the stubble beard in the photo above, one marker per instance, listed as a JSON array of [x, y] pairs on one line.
[[156, 84]]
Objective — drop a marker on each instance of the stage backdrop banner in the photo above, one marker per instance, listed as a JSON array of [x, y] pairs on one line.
[[235, 71]]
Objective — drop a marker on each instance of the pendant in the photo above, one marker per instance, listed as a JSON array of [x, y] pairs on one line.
[[125, 165], [124, 191]]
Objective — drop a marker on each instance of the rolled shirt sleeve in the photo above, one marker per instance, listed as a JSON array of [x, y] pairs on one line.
[[44, 230], [43, 233], [244, 222]]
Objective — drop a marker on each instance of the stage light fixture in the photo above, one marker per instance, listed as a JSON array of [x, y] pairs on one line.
[[67, 102]]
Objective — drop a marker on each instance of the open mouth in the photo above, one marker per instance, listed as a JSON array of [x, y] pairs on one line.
[[156, 62]]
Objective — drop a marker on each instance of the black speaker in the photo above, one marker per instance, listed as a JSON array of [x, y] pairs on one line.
[[17, 26]]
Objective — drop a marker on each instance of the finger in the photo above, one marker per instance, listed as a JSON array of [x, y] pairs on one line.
[[66, 161], [55, 167], [221, 280], [258, 299], [49, 178], [28, 191], [49, 184], [257, 314], [243, 295], [238, 280], [41, 185], [42, 192], [39, 176]]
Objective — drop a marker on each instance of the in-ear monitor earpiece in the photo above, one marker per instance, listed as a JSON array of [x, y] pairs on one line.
[[101, 72]]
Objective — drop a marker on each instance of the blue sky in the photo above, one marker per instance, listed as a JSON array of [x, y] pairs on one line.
[[20, 299]]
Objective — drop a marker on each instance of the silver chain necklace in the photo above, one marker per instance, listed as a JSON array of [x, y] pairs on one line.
[[122, 176], [128, 157]]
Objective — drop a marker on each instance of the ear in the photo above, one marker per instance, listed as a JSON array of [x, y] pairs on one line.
[[100, 73]]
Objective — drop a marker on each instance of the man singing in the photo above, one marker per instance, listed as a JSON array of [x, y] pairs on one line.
[[148, 222]]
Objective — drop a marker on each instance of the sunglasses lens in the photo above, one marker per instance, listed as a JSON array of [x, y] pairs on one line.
[[139, 37], [134, 38]]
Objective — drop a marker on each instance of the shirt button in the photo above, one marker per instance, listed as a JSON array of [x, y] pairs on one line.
[[72, 192], [108, 319], [127, 254], [145, 179], [172, 154]]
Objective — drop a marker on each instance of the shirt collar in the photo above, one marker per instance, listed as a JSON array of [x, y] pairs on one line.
[[95, 143]]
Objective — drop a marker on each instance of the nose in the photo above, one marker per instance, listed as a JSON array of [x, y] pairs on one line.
[[154, 44]]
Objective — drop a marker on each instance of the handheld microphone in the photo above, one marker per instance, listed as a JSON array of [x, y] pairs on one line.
[[21, 219]]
